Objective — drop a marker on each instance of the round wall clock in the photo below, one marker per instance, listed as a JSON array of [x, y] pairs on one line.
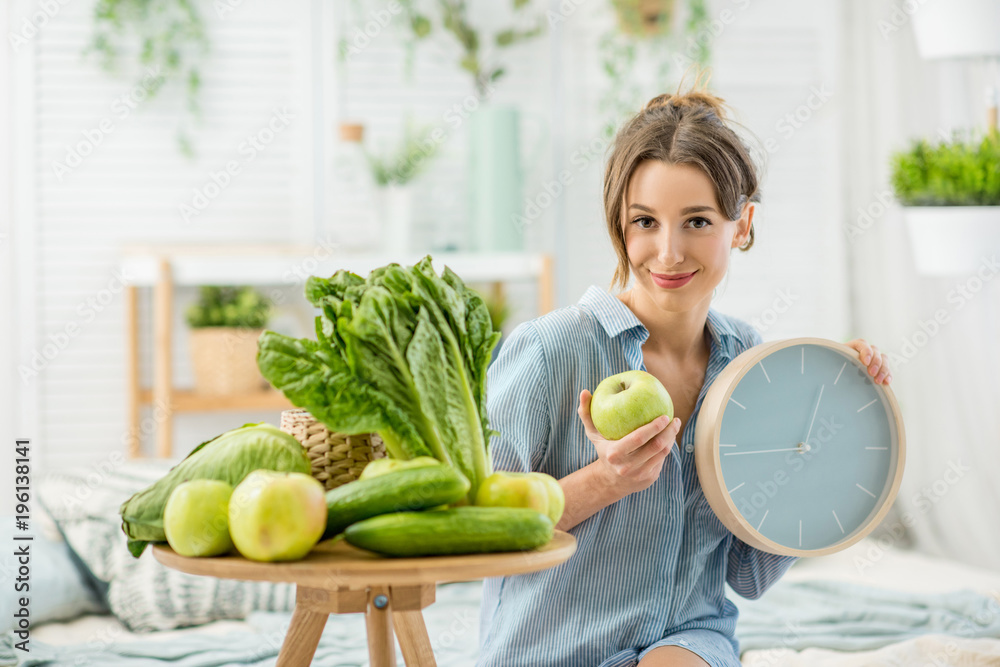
[[798, 451]]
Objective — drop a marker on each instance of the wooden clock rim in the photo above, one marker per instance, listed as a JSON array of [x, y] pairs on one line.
[[709, 463]]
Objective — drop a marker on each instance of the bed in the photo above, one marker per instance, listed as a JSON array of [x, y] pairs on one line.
[[872, 604]]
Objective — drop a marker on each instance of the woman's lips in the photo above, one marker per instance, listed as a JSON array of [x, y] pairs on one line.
[[663, 281]]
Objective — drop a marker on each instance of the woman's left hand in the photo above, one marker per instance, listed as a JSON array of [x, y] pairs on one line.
[[878, 364]]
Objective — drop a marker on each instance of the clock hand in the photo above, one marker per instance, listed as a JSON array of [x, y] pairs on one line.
[[806, 448], [815, 410]]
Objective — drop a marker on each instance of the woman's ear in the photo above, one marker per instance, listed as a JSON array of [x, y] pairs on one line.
[[744, 225]]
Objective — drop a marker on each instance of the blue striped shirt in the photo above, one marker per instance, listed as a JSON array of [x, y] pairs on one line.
[[649, 570]]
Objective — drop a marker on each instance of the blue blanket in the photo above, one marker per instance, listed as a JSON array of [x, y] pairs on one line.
[[795, 615], [452, 626], [853, 617]]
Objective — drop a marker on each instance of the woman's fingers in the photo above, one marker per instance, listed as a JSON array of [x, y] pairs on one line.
[[642, 444], [658, 446], [584, 411]]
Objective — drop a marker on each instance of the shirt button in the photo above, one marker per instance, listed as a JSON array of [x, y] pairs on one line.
[[689, 447], [682, 642]]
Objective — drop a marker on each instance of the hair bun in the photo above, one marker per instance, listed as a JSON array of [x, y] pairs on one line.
[[694, 99]]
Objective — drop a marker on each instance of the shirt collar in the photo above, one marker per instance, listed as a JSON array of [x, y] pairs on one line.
[[617, 318]]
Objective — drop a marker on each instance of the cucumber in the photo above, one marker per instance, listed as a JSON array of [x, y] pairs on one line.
[[458, 530], [396, 491]]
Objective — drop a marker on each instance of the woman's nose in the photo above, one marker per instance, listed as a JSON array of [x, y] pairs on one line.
[[670, 249]]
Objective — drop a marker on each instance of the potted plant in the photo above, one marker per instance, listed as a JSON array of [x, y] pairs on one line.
[[950, 191], [225, 325], [394, 173]]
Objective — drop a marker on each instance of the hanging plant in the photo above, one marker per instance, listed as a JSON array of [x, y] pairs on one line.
[[454, 18], [169, 37], [647, 35], [644, 18]]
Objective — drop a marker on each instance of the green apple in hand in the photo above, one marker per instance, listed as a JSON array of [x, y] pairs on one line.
[[625, 401]]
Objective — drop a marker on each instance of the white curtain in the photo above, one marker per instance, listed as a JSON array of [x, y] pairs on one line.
[[947, 371]]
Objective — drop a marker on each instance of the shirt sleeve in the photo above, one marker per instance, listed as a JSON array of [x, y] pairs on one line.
[[751, 571], [517, 402]]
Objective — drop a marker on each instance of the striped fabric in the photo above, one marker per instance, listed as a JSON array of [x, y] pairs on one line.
[[143, 594], [649, 569]]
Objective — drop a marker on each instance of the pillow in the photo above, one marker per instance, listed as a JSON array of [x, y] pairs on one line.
[[143, 594], [58, 590]]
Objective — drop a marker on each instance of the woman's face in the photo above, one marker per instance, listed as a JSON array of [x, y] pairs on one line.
[[673, 226]]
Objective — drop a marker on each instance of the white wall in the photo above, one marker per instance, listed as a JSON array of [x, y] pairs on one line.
[[769, 57]]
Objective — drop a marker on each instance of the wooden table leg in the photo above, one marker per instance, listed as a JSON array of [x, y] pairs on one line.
[[163, 295], [378, 620], [546, 286], [302, 639], [132, 368], [413, 639]]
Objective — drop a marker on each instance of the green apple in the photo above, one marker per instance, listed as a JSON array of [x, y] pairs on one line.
[[513, 489], [195, 518], [277, 515], [385, 465], [625, 401], [534, 490], [557, 499]]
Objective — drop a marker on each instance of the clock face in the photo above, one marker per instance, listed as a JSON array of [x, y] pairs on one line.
[[807, 447]]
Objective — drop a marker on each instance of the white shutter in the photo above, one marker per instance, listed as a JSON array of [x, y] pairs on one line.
[[130, 188]]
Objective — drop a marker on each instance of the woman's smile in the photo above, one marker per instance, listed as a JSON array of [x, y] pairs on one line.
[[672, 281]]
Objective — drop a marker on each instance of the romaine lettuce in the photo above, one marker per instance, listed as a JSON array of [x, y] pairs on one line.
[[403, 354]]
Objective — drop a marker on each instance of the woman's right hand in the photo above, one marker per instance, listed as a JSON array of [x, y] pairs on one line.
[[634, 462]]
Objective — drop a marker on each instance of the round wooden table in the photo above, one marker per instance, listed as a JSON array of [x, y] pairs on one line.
[[336, 578]]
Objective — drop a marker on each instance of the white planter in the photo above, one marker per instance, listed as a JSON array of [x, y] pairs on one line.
[[396, 213], [957, 28], [948, 240]]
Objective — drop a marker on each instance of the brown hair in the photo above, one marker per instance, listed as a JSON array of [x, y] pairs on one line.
[[689, 128]]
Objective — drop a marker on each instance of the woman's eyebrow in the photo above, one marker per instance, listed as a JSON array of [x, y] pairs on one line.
[[684, 211]]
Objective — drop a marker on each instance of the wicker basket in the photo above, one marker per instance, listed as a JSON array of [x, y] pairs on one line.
[[225, 360], [336, 458]]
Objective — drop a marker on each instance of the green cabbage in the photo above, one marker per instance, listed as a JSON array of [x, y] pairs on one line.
[[228, 457], [403, 354]]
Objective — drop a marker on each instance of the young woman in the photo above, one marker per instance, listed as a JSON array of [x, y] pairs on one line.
[[646, 584]]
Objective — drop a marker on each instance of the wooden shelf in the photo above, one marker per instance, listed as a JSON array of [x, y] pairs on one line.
[[192, 401], [165, 267]]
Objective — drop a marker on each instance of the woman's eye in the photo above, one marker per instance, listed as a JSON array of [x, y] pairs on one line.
[[695, 220], [644, 223]]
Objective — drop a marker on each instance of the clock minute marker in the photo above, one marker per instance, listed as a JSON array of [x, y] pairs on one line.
[[800, 532], [761, 364], [737, 402], [803, 372], [762, 520], [874, 400], [838, 521], [866, 490], [841, 371], [876, 448], [736, 487]]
